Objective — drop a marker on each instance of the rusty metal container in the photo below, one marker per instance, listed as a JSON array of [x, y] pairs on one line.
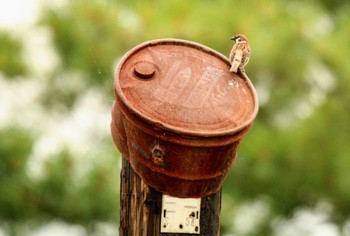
[[179, 115]]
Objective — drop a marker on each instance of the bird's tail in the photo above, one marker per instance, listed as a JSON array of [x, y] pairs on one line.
[[234, 66], [236, 62]]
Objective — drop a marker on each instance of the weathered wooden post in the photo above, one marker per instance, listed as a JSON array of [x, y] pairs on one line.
[[178, 118]]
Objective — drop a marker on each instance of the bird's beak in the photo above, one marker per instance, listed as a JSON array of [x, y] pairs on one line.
[[233, 38]]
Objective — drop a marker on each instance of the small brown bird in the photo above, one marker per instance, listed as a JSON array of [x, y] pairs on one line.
[[240, 53]]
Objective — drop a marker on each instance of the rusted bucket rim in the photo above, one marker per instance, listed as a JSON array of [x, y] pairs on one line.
[[181, 42]]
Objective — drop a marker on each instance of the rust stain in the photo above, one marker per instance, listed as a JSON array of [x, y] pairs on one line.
[[180, 115]]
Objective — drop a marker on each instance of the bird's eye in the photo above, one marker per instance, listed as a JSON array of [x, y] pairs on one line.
[[239, 39]]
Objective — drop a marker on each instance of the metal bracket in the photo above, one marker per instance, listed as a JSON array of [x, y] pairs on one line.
[[180, 215]]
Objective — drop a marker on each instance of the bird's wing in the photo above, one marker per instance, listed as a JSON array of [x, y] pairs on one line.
[[238, 55], [232, 53], [236, 60]]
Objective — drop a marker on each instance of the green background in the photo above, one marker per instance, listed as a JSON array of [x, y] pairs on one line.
[[295, 159]]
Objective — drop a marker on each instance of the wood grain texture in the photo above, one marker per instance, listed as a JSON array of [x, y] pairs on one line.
[[140, 208]]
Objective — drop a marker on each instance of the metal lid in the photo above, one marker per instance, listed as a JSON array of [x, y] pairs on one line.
[[185, 87]]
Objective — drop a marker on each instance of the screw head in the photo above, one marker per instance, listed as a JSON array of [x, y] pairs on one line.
[[144, 70]]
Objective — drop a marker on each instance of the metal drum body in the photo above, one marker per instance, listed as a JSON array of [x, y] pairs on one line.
[[179, 115]]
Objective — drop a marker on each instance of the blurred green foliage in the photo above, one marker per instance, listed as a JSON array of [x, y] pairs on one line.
[[297, 152], [85, 202], [57, 195], [11, 61], [15, 185]]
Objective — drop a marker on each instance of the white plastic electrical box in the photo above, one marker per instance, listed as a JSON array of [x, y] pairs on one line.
[[180, 215]]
